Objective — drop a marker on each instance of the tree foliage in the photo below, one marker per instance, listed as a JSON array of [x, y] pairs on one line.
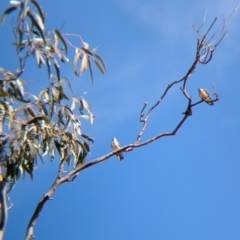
[[45, 123], [48, 123]]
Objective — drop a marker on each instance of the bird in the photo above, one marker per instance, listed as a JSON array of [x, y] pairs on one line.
[[115, 146], [204, 95]]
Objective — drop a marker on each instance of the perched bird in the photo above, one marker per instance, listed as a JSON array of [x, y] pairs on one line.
[[204, 95], [115, 146]]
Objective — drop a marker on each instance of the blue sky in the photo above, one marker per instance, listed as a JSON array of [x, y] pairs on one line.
[[183, 187]]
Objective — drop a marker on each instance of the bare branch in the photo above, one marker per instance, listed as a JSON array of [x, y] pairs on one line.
[[3, 207], [204, 53], [40, 205], [141, 113]]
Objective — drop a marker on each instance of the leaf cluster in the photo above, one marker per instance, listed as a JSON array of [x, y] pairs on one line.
[[46, 124], [42, 127]]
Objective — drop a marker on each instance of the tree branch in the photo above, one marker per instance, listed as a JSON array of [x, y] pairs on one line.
[[40, 205], [204, 52], [3, 207]]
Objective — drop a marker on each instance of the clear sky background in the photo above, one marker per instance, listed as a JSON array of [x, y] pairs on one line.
[[184, 187]]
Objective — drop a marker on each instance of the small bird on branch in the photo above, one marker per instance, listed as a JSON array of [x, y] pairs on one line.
[[115, 146], [205, 96]]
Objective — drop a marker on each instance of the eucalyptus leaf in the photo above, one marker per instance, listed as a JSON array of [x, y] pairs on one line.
[[57, 68], [35, 23], [102, 62], [99, 67], [39, 10], [75, 60], [90, 70], [88, 138], [6, 12], [57, 32]]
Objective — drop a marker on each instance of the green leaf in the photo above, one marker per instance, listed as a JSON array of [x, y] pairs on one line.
[[82, 158], [16, 3], [90, 70], [17, 92], [57, 68], [75, 151], [82, 145], [36, 32], [42, 93], [6, 12], [50, 111], [87, 51], [20, 86], [52, 154], [87, 107], [35, 23], [32, 149], [66, 137], [87, 146], [56, 93], [88, 138], [69, 84], [75, 60], [76, 125], [60, 118], [84, 64], [81, 107], [70, 111], [68, 117], [28, 167], [38, 58], [36, 119], [73, 104], [84, 116], [58, 146], [2, 114], [39, 10], [48, 67], [99, 67], [63, 95], [28, 111], [45, 146], [102, 62], [42, 107], [56, 31], [39, 21]]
